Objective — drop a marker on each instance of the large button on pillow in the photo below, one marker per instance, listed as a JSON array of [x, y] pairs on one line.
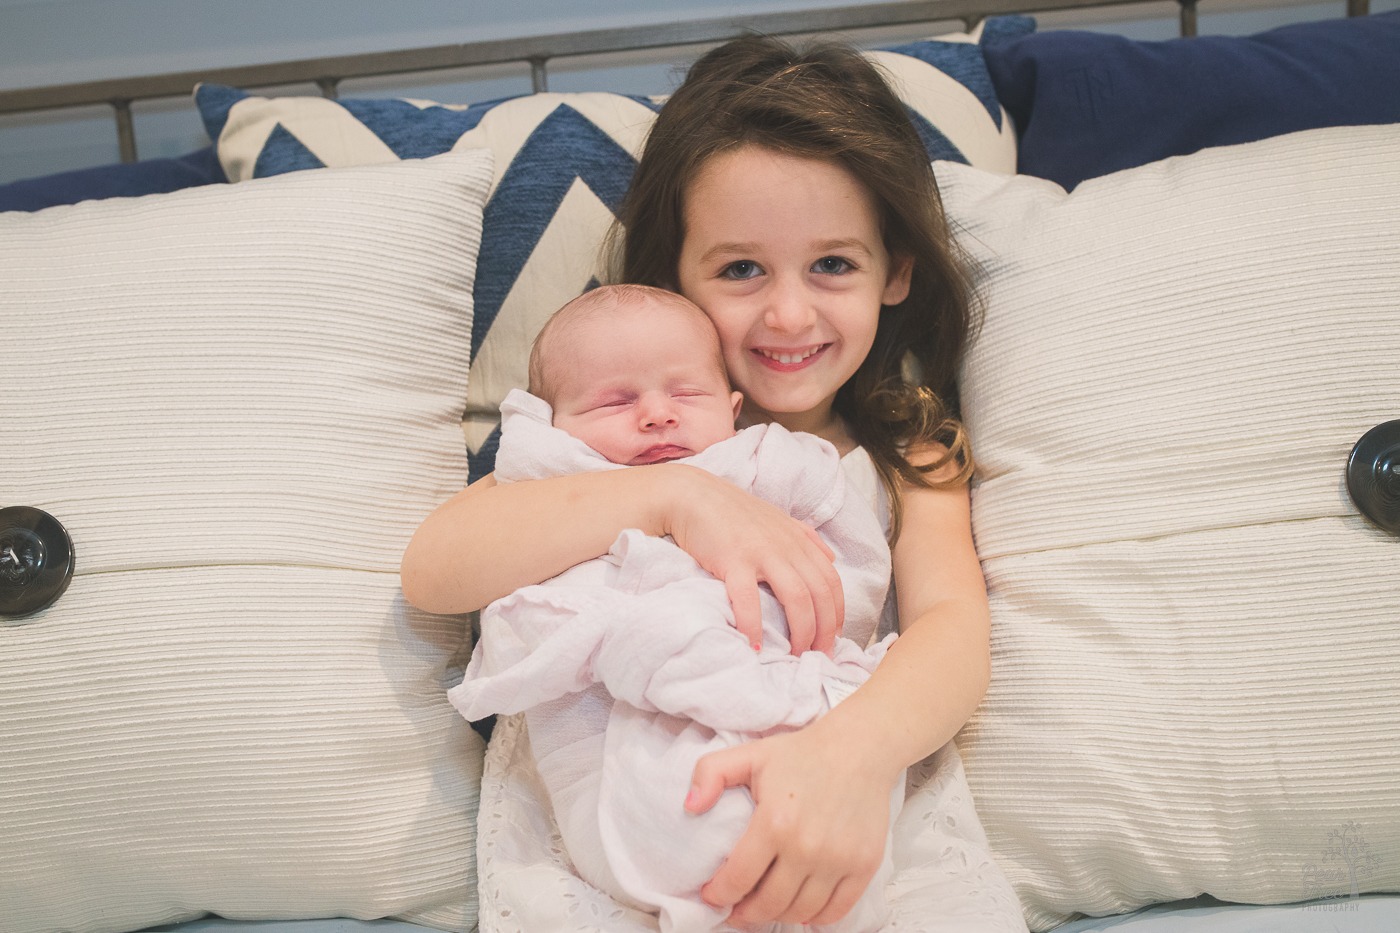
[[36, 560]]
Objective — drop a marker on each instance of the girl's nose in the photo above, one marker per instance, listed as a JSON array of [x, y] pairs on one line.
[[789, 308]]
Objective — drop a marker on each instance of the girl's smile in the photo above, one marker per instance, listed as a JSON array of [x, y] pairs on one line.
[[786, 256], [790, 361]]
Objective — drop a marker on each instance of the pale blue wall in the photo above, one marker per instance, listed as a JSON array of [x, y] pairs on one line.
[[60, 41]]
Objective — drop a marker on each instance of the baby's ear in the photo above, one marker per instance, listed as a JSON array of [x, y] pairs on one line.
[[737, 400]]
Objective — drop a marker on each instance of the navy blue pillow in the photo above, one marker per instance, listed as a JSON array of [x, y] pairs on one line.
[[1086, 104], [123, 180]]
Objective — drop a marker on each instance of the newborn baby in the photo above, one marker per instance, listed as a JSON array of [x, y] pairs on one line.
[[628, 667]]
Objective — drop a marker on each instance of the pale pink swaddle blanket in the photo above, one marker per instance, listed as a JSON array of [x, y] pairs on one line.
[[629, 669]]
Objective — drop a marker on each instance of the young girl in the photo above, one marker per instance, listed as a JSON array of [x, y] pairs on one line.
[[789, 196]]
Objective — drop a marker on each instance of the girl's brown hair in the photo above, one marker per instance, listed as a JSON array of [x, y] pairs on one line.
[[826, 102]]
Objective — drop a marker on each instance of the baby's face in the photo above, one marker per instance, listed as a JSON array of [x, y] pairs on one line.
[[642, 385]]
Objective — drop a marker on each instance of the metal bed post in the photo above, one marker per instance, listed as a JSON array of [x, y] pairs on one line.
[[539, 78], [126, 130], [1188, 17]]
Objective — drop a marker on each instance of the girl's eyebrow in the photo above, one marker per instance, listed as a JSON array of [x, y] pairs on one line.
[[847, 244], [851, 244], [728, 249]]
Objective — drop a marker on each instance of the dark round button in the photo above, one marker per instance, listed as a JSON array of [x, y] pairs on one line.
[[1373, 475], [36, 560]]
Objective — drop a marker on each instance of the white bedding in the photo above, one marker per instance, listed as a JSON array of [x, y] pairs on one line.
[[1371, 913]]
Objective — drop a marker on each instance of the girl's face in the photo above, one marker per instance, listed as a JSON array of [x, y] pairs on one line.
[[785, 256]]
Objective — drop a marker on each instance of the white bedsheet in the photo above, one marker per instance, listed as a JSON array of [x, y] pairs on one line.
[[1369, 913]]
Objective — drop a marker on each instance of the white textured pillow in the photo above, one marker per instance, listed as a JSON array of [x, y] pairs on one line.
[[240, 400], [1196, 637]]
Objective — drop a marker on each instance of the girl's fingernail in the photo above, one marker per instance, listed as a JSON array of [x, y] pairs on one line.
[[755, 646]]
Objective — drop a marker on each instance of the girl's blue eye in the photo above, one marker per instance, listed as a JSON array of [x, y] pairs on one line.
[[831, 265], [743, 269]]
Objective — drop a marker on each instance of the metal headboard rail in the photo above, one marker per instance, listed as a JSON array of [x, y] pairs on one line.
[[536, 51]]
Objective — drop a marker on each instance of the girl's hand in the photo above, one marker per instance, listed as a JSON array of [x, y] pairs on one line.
[[744, 541], [818, 831]]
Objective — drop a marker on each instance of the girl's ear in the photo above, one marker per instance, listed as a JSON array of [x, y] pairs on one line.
[[737, 400], [897, 283]]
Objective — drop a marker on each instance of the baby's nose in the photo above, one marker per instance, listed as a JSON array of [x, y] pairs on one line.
[[658, 412]]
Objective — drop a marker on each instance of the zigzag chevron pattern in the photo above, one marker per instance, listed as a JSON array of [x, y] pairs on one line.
[[562, 165], [575, 141], [562, 264]]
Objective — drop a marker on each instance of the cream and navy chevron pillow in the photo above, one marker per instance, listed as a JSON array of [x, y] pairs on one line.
[[563, 162]]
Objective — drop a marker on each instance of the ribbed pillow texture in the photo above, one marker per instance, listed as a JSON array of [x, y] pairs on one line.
[[1196, 656], [240, 401]]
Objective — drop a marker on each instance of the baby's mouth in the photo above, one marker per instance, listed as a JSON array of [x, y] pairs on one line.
[[660, 453]]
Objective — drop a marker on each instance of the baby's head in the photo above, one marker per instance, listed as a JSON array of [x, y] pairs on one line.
[[635, 373]]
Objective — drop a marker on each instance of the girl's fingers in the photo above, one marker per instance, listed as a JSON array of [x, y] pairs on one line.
[[747, 542], [807, 586], [739, 874], [820, 543], [716, 772], [813, 603], [829, 602], [827, 596], [809, 589], [812, 896], [799, 606], [816, 836], [843, 897], [747, 863], [748, 612], [774, 899]]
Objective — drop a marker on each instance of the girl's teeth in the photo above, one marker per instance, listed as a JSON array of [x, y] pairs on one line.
[[790, 357]]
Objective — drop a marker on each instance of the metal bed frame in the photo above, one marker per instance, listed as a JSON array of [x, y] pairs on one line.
[[537, 52]]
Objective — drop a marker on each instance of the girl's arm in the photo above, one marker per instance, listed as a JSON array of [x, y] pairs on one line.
[[821, 794], [489, 540]]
